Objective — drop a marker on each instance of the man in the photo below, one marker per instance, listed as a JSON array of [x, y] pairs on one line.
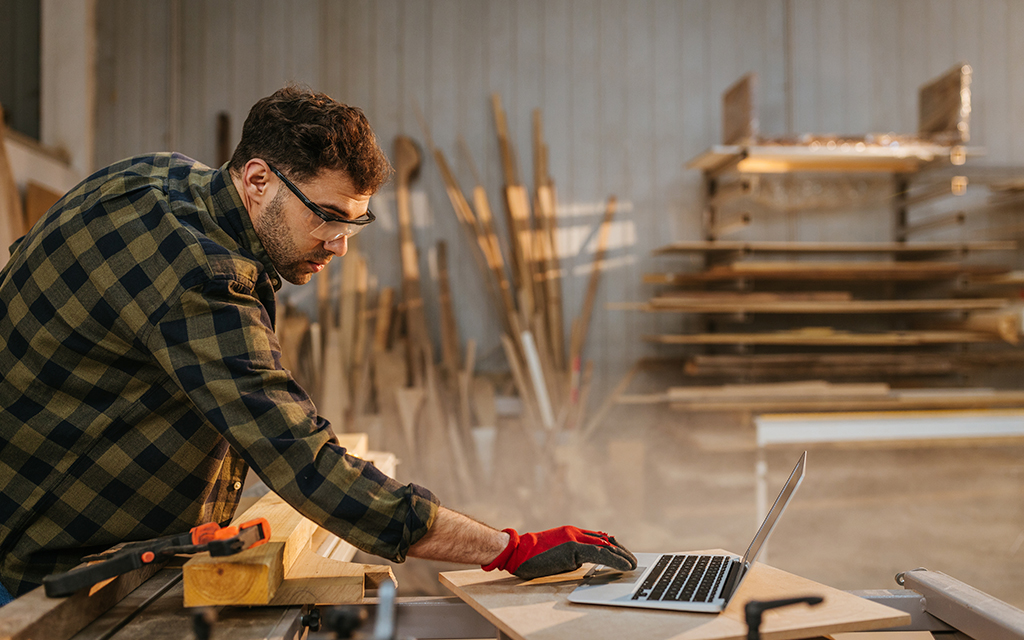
[[141, 377]]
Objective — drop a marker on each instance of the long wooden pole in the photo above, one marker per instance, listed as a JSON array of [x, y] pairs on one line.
[[581, 325], [11, 216], [407, 164]]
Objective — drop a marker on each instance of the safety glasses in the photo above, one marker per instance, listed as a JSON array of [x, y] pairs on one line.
[[332, 227]]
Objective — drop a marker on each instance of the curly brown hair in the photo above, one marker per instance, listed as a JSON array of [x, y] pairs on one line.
[[302, 133]]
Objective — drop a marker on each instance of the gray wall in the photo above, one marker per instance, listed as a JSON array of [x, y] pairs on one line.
[[630, 90]]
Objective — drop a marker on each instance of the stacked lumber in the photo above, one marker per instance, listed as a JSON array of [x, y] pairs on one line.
[[302, 563], [843, 311]]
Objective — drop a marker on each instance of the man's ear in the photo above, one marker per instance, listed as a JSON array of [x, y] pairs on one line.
[[256, 181]]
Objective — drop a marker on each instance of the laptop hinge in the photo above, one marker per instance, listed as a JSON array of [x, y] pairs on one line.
[[736, 570]]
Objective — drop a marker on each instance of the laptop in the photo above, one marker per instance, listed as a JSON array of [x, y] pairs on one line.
[[684, 581]]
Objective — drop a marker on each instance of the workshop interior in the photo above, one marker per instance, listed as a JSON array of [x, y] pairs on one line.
[[637, 258]]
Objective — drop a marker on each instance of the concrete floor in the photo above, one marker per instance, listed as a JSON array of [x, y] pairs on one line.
[[663, 480]]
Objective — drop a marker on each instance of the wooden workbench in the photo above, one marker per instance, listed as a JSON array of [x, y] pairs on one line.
[[539, 610]]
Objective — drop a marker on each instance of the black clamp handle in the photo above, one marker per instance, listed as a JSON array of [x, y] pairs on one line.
[[755, 608]]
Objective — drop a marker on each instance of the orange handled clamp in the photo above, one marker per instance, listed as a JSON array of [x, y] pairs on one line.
[[218, 540]]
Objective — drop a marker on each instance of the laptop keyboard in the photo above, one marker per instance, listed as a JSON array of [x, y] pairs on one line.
[[684, 578]]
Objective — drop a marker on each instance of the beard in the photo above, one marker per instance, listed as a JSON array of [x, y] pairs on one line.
[[279, 243]]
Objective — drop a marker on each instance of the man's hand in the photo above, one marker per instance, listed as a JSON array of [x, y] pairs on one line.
[[532, 555]]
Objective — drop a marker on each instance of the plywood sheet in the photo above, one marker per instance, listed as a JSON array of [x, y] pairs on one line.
[[539, 610]]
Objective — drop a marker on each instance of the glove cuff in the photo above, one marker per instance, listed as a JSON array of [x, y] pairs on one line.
[[502, 559]]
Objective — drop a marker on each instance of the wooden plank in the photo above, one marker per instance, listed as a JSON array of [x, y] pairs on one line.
[[410, 403], [540, 611], [1004, 324], [550, 272], [676, 303], [801, 389], [450, 356], [897, 401], [486, 254], [944, 107], [286, 570], [11, 216], [357, 444], [34, 616], [38, 200], [581, 325], [899, 248], [824, 365], [739, 112], [826, 336], [407, 163], [847, 156], [825, 271], [253, 576], [494, 256], [860, 426]]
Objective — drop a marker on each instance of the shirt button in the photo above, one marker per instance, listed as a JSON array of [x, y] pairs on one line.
[[237, 485]]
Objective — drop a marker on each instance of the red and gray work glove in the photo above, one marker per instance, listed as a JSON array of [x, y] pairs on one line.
[[532, 555]]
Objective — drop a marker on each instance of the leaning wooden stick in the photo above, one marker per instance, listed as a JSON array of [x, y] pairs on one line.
[[450, 355], [549, 270], [407, 164], [11, 216], [491, 268], [517, 204], [581, 325]]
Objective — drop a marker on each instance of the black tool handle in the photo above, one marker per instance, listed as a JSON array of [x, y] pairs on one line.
[[67, 583], [755, 608]]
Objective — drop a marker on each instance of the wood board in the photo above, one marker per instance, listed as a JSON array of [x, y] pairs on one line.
[[301, 564], [739, 111], [742, 304], [539, 610], [944, 107], [826, 336], [898, 248], [866, 158], [34, 616], [834, 271]]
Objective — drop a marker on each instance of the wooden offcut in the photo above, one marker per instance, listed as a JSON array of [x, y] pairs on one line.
[[739, 111], [38, 200], [11, 216], [944, 107]]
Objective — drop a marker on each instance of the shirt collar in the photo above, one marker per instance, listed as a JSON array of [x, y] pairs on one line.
[[228, 205]]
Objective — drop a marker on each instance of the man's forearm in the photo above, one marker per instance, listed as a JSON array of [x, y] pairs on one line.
[[457, 538]]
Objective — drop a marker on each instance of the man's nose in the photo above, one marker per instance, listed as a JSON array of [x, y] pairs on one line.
[[338, 247]]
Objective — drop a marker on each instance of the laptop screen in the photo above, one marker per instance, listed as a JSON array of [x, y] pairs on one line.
[[773, 514]]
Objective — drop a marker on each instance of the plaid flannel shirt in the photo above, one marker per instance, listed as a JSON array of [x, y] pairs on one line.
[[141, 378]]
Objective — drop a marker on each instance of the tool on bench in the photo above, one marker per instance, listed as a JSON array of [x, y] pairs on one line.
[[346, 622], [218, 540], [755, 608]]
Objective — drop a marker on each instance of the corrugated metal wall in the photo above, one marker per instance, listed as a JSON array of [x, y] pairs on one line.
[[630, 90]]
